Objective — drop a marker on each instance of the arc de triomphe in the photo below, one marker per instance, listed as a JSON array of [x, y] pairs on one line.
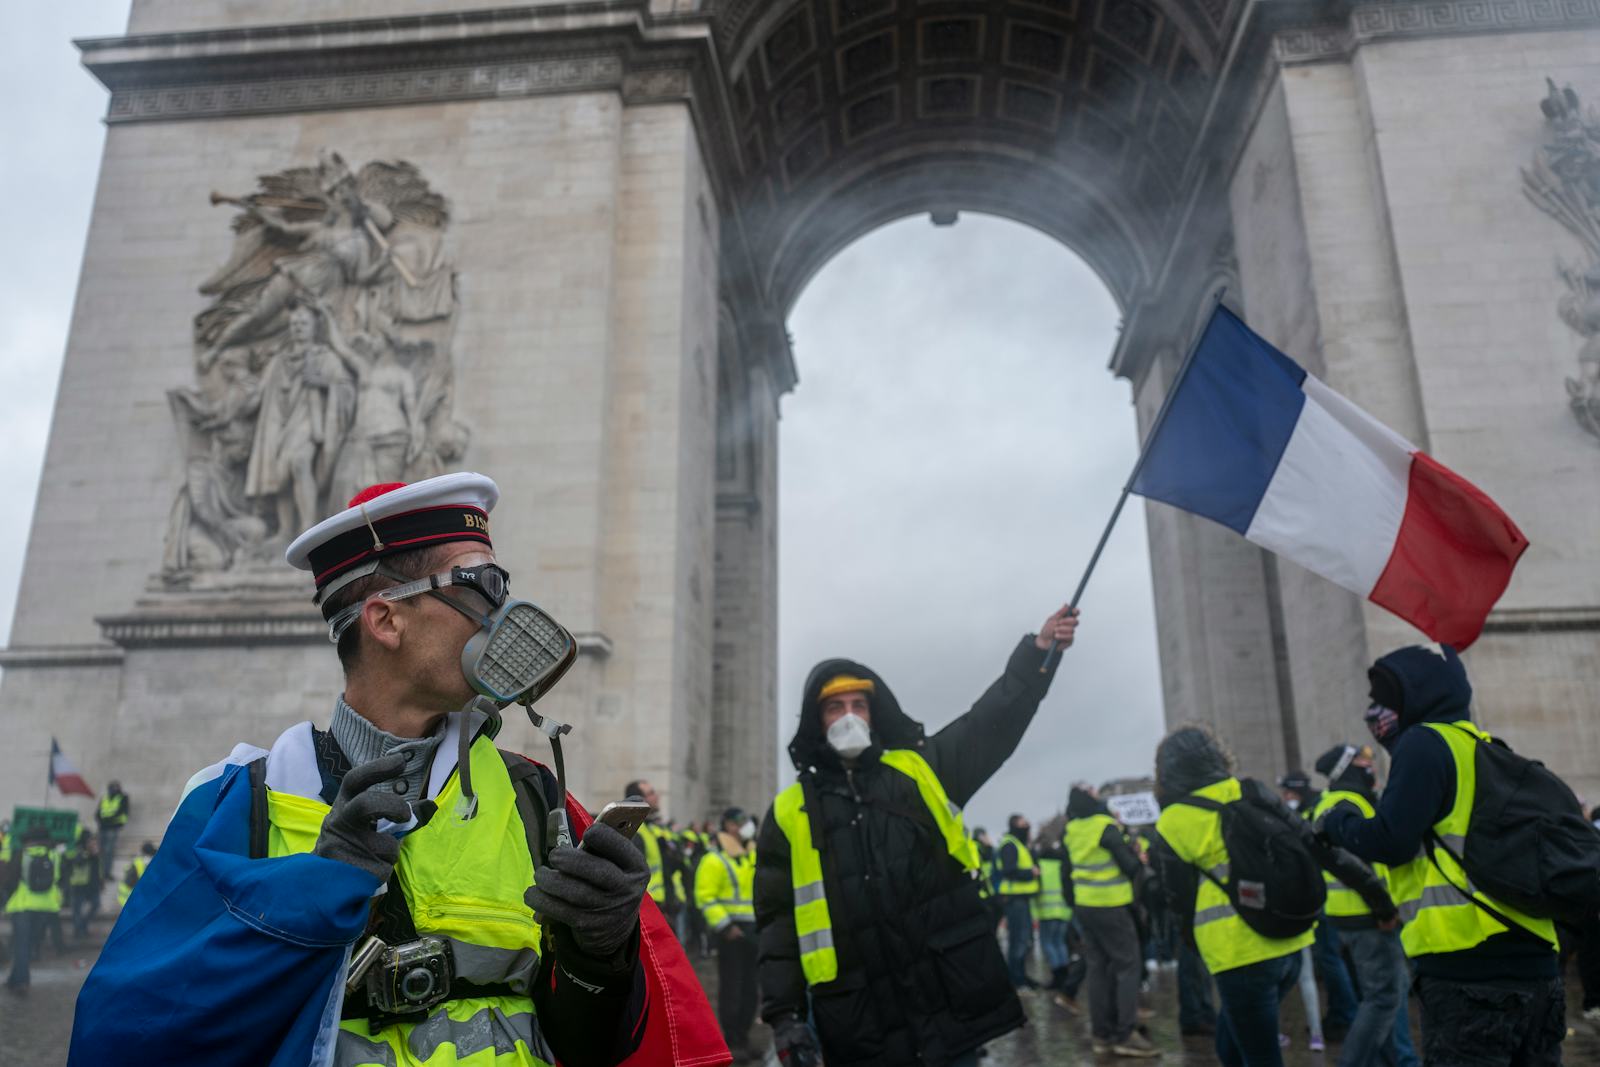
[[557, 242]]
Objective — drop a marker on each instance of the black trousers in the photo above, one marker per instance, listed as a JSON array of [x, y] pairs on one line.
[[737, 984], [1511, 1023]]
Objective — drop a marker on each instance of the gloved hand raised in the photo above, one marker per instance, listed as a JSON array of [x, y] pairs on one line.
[[350, 829], [594, 891], [795, 1044]]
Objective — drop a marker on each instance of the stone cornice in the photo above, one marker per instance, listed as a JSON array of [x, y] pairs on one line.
[[1434, 18], [1542, 620], [21, 656]]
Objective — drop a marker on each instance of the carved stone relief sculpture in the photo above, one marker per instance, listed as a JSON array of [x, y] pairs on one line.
[[322, 364], [1564, 182]]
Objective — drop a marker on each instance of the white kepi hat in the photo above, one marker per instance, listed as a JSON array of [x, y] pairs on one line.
[[384, 520]]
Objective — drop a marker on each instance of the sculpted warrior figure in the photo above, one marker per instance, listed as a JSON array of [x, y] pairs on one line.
[[1564, 182], [324, 360]]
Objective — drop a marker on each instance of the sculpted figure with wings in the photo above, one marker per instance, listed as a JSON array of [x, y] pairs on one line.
[[320, 254]]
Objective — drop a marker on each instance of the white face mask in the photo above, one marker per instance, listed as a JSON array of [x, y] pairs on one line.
[[748, 830], [850, 736]]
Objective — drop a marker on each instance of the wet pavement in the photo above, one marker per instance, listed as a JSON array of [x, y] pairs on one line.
[[34, 1029]]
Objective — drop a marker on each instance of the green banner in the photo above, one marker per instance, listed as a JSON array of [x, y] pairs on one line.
[[61, 825]]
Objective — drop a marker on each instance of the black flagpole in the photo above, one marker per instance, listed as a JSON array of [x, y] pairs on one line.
[[1138, 466]]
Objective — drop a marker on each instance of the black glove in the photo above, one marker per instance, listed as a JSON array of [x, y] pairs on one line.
[[795, 1044], [350, 829], [594, 891]]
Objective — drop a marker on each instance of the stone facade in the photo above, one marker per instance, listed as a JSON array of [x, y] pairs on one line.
[[637, 192]]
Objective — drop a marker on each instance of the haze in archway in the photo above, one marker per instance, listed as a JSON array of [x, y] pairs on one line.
[[951, 454]]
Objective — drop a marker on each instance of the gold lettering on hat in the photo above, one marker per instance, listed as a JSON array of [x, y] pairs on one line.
[[476, 522]]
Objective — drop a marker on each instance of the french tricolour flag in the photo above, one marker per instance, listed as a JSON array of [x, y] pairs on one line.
[[64, 776], [1252, 441]]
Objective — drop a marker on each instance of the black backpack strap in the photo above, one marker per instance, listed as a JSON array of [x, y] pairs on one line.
[[535, 797], [257, 769], [1434, 841]]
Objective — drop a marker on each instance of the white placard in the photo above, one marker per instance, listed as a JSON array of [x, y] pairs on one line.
[[1135, 809]]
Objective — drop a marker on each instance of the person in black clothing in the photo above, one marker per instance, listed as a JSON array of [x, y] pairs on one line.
[[920, 976], [1500, 1001], [1016, 886]]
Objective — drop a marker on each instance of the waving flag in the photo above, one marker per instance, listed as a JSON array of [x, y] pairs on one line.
[[1250, 440], [64, 776]]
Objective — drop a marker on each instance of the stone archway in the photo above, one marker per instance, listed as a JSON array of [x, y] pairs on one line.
[[639, 189]]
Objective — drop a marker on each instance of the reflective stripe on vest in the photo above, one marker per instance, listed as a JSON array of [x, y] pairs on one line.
[[1051, 903], [724, 889], [1025, 862], [1097, 881], [464, 882], [1344, 902], [812, 923], [1438, 916], [650, 838], [1195, 837]]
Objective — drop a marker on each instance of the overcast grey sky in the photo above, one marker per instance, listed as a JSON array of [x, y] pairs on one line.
[[52, 135], [948, 460]]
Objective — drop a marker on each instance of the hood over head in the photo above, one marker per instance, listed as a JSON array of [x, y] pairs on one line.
[[891, 727], [1422, 683], [1082, 804], [1190, 758]]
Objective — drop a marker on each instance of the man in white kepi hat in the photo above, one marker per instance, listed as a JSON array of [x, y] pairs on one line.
[[417, 906]]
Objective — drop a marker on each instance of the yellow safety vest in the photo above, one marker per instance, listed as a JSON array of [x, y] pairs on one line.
[[463, 881], [1051, 903], [1344, 902], [109, 813], [25, 899], [81, 869], [1097, 881], [650, 837], [124, 890], [1438, 915], [1024, 862], [812, 923], [1195, 837], [724, 888], [985, 874]]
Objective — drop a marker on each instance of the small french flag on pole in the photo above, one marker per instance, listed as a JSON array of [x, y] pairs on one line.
[[1250, 440], [64, 776]]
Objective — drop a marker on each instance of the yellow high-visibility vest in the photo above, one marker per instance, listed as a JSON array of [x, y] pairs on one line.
[[1344, 902], [650, 837], [109, 813], [1195, 837], [812, 922], [464, 882], [1438, 915], [136, 868], [25, 899], [1097, 881], [1025, 862], [724, 888], [1051, 903]]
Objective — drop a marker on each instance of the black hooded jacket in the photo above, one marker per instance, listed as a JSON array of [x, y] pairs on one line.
[[921, 979], [1430, 685]]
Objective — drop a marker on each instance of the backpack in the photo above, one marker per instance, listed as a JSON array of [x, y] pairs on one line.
[[41, 874], [1274, 882], [1528, 843]]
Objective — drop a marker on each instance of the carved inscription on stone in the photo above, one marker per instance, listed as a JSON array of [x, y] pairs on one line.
[[1564, 182], [322, 364]]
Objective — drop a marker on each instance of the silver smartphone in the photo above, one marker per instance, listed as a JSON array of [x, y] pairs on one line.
[[624, 816]]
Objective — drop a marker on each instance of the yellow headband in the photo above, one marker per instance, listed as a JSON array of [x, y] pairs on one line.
[[844, 683]]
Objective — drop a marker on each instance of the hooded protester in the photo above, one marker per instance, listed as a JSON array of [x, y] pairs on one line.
[[1104, 870], [866, 895], [1252, 971], [1490, 990]]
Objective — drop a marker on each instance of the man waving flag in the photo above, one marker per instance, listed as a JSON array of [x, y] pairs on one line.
[[1250, 440]]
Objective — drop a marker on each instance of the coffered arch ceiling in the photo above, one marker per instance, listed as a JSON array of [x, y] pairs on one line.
[[1078, 117]]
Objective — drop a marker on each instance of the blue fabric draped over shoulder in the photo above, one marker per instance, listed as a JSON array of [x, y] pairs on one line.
[[219, 959]]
